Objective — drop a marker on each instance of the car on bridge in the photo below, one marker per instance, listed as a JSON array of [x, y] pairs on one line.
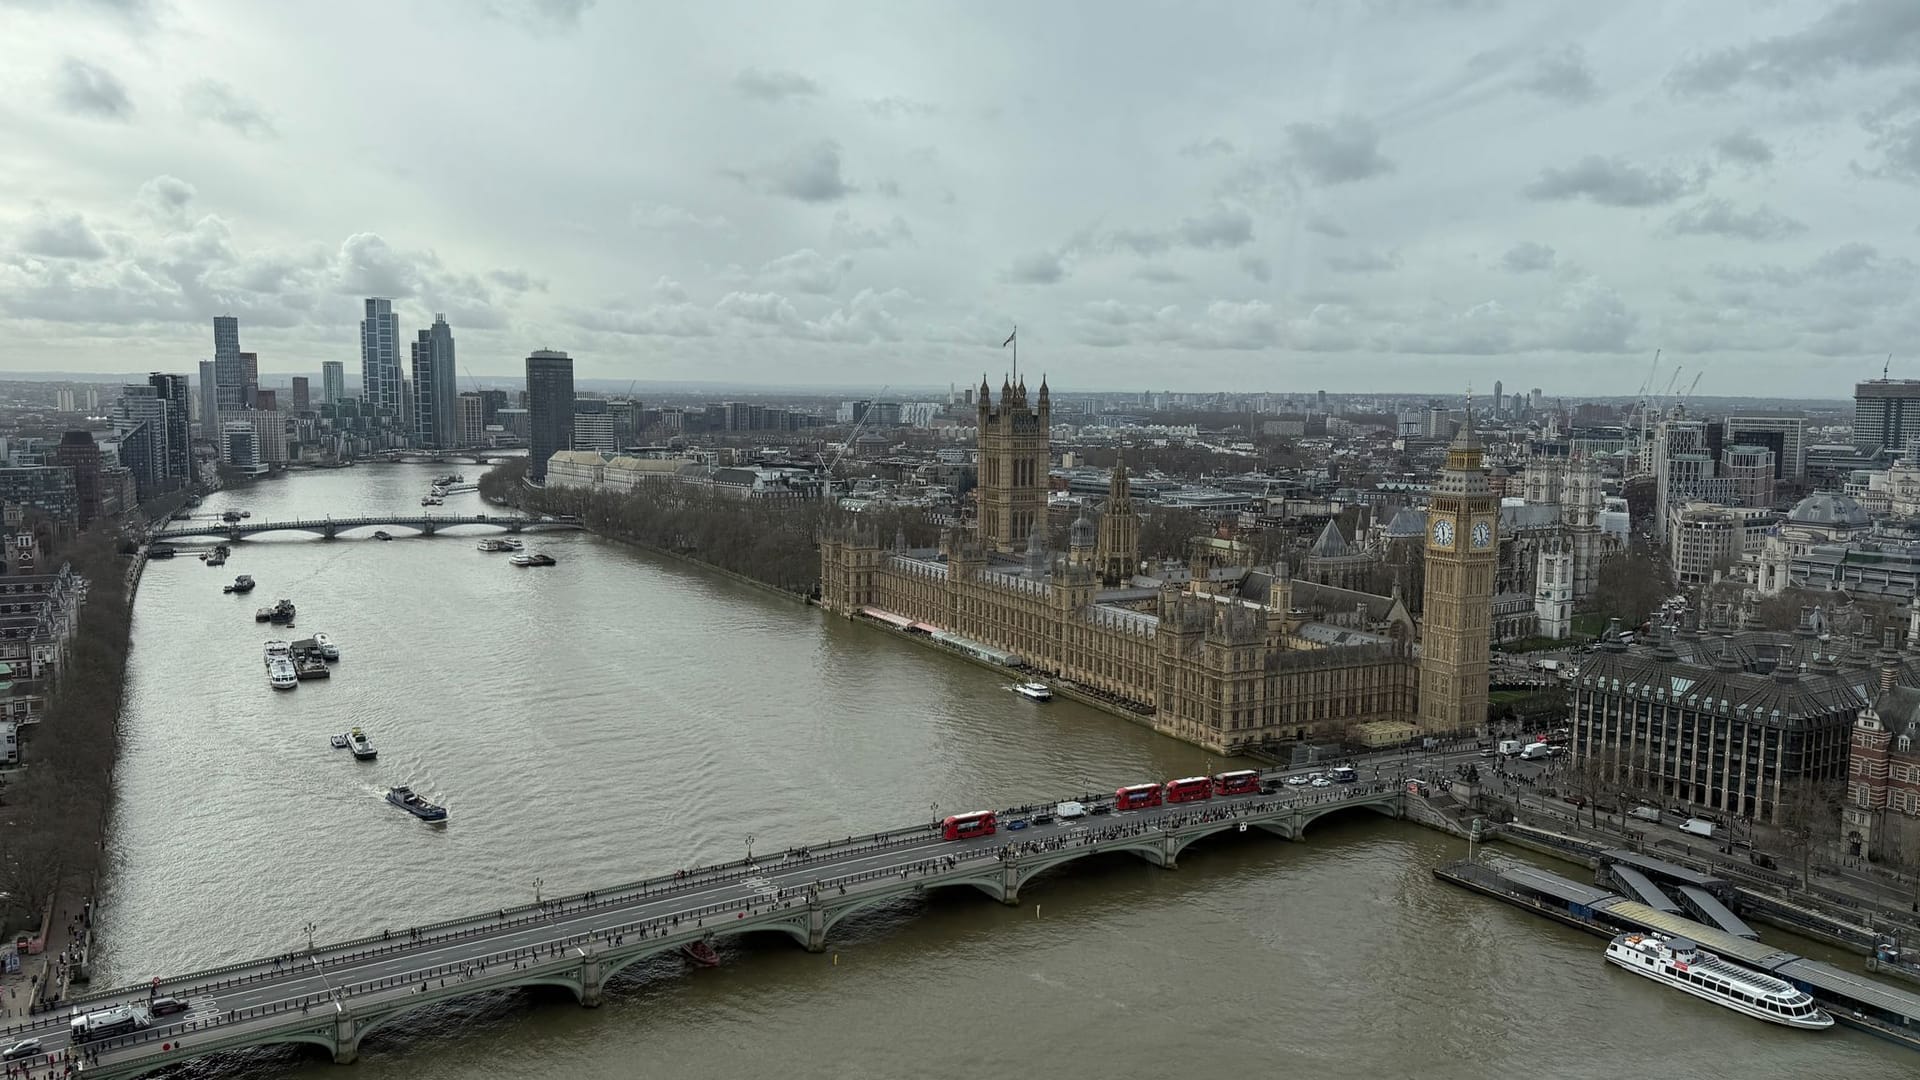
[[166, 1006], [23, 1048]]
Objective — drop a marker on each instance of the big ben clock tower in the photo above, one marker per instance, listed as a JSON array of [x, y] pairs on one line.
[[1463, 524]]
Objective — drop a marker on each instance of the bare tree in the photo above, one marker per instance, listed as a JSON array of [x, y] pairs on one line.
[[1631, 586], [1809, 819]]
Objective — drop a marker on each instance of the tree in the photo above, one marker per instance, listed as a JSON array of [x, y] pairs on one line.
[[1631, 587], [1808, 817]]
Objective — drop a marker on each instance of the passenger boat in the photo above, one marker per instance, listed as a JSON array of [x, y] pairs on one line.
[[278, 650], [339, 741], [230, 516], [491, 544], [160, 551], [1680, 963], [701, 953], [536, 558], [241, 584], [1036, 691], [361, 746], [458, 488], [280, 674], [431, 500], [215, 559], [405, 799], [328, 650]]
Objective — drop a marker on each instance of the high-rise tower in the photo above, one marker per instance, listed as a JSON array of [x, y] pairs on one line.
[[1463, 523], [433, 387], [1013, 465], [380, 356], [1117, 553], [549, 409], [229, 379]]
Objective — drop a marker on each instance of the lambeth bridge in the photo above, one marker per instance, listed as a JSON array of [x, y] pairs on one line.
[[332, 528], [334, 996]]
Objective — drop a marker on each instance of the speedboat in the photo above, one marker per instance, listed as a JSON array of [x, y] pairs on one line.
[[405, 799], [241, 584], [1036, 691], [382, 534], [700, 952], [1685, 966], [280, 674], [328, 650], [361, 746], [339, 741]]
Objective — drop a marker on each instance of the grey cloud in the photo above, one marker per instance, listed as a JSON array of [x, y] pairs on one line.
[[1257, 268], [1037, 268], [1563, 76], [164, 197], [848, 233], [1609, 182], [1212, 146], [807, 271], [1364, 262], [1717, 217], [1346, 150], [1589, 318], [891, 189], [659, 320], [1325, 226], [1139, 241], [1218, 227], [212, 100], [1156, 274], [810, 173], [765, 85], [540, 16], [1527, 257], [369, 266], [1484, 329], [668, 289], [62, 236], [1895, 131], [517, 280], [1859, 35], [895, 108], [1745, 147], [89, 90]]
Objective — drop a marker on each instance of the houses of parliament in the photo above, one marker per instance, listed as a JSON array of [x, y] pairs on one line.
[[1221, 653]]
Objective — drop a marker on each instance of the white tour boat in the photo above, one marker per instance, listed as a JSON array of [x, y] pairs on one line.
[[361, 746], [278, 650], [1683, 965], [281, 675], [328, 650], [1037, 691]]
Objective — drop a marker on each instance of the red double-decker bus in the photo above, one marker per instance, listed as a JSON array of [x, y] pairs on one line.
[[1242, 782], [1136, 796], [1190, 789], [968, 826]]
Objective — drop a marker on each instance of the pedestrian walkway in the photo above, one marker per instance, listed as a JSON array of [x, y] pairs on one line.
[[46, 976]]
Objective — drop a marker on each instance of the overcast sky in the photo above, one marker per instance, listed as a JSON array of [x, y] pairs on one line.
[[1396, 194]]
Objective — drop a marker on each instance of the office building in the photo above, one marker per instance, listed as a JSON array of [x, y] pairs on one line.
[[209, 401], [173, 390], [1886, 414], [593, 428], [380, 358], [333, 381], [433, 387], [549, 409], [141, 427], [240, 446], [302, 400], [47, 490], [250, 371], [1784, 434], [470, 418], [492, 401], [266, 401], [78, 452], [230, 378]]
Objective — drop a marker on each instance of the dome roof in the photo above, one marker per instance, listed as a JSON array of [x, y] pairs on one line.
[[1828, 508]]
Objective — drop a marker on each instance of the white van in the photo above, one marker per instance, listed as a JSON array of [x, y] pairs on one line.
[[1697, 827], [1534, 752], [1067, 811], [1645, 813]]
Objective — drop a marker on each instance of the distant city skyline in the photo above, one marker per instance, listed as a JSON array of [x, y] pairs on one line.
[[1425, 196]]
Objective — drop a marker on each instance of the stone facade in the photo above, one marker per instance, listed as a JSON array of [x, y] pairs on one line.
[[1014, 458], [1462, 536]]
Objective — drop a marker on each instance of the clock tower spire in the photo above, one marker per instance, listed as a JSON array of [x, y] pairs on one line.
[[1463, 523]]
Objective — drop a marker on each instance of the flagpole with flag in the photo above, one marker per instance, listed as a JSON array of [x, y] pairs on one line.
[[1011, 340]]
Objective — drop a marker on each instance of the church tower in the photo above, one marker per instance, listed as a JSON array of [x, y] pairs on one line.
[[1014, 456], [1462, 544], [1117, 551], [1581, 516]]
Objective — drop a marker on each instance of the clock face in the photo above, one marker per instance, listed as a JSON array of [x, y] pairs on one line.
[[1482, 534], [1443, 533]]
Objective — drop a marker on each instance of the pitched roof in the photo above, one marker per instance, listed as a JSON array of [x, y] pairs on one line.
[[1330, 545]]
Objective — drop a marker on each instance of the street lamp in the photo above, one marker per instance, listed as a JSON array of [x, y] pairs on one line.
[[537, 882], [935, 807], [310, 928], [749, 849]]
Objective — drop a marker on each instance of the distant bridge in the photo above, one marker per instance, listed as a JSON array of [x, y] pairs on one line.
[[212, 530], [334, 996]]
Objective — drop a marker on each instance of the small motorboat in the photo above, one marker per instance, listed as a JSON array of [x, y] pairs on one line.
[[1035, 691], [382, 534], [700, 952], [405, 799], [328, 650], [361, 746], [339, 741]]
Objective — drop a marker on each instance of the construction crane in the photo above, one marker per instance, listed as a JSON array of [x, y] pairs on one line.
[[848, 445], [1684, 398], [1886, 367]]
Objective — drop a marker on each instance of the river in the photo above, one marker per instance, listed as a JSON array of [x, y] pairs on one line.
[[621, 715]]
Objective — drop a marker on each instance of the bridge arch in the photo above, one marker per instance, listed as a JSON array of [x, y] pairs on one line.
[[1388, 806]]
